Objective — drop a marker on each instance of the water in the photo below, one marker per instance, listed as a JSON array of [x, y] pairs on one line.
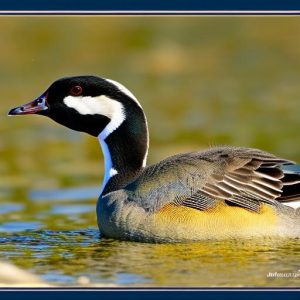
[[202, 81], [63, 256], [58, 240]]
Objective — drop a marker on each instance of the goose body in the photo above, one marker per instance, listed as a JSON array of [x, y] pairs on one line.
[[224, 192]]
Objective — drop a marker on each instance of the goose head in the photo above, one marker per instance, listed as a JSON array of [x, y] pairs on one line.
[[84, 103], [102, 108]]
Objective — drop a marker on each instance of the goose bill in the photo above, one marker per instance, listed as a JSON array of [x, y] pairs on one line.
[[36, 106]]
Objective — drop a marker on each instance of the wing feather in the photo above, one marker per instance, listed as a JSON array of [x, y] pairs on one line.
[[238, 176]]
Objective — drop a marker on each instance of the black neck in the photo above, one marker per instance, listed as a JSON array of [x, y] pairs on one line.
[[127, 147]]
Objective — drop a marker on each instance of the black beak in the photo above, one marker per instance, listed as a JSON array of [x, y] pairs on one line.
[[36, 106]]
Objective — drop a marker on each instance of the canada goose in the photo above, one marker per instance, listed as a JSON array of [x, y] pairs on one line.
[[224, 192]]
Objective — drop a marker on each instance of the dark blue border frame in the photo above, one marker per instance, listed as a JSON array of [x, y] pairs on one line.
[[153, 7], [150, 5], [148, 295]]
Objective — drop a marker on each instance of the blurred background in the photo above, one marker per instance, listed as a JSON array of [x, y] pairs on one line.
[[202, 81]]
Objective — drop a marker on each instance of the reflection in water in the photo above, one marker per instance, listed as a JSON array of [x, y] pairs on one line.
[[73, 194], [63, 256], [19, 226], [10, 207], [228, 263]]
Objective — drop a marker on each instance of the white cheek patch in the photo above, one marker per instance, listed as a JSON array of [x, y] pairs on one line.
[[101, 105], [105, 106]]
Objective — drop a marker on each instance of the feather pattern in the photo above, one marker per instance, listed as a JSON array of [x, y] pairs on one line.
[[238, 176]]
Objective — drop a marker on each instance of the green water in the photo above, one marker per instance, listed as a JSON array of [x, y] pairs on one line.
[[202, 81]]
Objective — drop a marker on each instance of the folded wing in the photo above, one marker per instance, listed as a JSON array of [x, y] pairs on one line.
[[238, 176]]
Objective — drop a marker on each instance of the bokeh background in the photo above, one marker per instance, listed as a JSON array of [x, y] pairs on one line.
[[202, 81]]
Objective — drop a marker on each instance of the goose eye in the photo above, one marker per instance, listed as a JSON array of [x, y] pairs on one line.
[[76, 90]]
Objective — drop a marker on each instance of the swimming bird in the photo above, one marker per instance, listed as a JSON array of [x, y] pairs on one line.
[[223, 192]]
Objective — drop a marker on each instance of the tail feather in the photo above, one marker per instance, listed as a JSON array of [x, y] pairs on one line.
[[291, 186]]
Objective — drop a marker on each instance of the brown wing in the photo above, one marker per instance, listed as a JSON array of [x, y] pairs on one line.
[[239, 176], [247, 183]]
